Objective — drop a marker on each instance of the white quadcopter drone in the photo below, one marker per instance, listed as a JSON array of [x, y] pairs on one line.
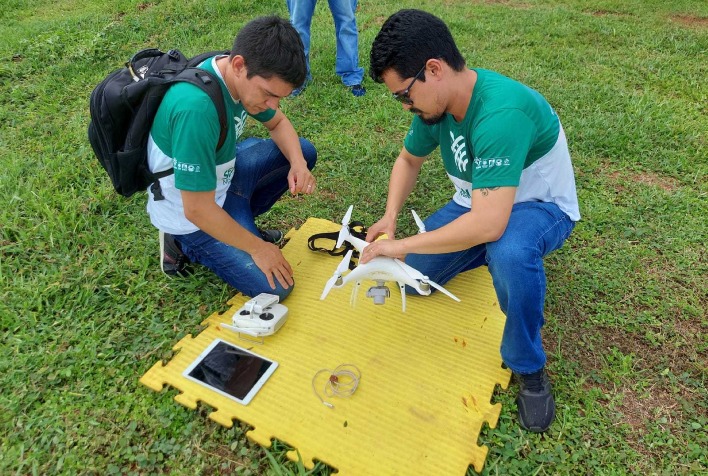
[[379, 269]]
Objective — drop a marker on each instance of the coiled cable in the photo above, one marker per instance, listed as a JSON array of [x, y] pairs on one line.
[[342, 382]]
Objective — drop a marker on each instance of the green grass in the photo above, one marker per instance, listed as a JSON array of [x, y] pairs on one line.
[[84, 310]]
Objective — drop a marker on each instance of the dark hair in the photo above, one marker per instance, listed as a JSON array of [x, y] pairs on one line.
[[408, 39], [271, 46]]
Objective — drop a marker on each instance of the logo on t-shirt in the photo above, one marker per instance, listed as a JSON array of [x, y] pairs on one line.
[[227, 176], [458, 147], [240, 124], [480, 163], [185, 167]]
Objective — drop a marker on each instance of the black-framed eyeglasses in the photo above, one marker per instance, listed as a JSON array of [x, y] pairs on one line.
[[402, 96]]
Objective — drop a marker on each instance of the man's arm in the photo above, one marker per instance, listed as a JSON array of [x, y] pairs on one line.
[[300, 179], [403, 179], [201, 209], [484, 223]]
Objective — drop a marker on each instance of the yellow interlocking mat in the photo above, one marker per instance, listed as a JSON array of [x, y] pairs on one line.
[[427, 375]]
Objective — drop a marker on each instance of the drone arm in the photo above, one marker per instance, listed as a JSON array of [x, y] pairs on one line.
[[420, 277], [346, 279], [341, 268], [357, 243], [358, 273]]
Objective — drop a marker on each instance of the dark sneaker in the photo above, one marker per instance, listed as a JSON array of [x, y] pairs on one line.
[[537, 408], [357, 90], [172, 261], [297, 91], [272, 236]]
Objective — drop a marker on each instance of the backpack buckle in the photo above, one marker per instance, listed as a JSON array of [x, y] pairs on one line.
[[156, 191]]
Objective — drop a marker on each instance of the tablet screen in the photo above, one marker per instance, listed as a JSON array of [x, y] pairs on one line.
[[231, 371]]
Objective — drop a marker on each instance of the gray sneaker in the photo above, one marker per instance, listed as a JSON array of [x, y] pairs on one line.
[[272, 236], [537, 408], [172, 261]]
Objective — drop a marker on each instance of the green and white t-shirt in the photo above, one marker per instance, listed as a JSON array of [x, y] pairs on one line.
[[510, 137], [184, 136]]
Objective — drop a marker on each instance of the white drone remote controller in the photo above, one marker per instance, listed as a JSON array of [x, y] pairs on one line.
[[259, 317]]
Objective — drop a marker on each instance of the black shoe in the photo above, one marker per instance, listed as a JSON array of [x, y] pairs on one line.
[[272, 236], [172, 261], [357, 90], [297, 91], [537, 408]]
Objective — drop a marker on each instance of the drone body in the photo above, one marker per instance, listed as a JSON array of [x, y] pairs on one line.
[[381, 269]]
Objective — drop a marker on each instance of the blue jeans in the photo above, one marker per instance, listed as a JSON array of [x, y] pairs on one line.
[[516, 264], [343, 12], [259, 180]]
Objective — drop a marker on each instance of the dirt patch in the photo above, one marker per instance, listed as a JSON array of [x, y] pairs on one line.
[[668, 184], [657, 407], [690, 21], [680, 353], [641, 408], [652, 179], [231, 461]]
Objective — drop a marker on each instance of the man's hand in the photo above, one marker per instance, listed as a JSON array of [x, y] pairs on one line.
[[300, 179], [271, 261], [390, 248], [385, 226]]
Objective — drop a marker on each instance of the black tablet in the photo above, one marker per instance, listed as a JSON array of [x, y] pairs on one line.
[[231, 371]]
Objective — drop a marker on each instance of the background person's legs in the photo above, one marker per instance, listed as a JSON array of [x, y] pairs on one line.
[[347, 64], [301, 12]]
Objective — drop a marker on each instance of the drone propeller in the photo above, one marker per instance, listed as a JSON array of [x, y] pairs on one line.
[[418, 221], [342, 267], [344, 232], [415, 274], [441, 289]]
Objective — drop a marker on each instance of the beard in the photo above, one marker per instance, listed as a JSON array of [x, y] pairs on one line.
[[429, 120]]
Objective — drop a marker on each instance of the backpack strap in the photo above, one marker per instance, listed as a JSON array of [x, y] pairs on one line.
[[213, 89], [356, 228], [208, 83], [199, 59]]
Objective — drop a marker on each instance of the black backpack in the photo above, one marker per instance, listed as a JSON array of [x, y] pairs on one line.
[[123, 107]]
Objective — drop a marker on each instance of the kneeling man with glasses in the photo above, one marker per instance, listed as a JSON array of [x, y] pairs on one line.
[[514, 199]]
